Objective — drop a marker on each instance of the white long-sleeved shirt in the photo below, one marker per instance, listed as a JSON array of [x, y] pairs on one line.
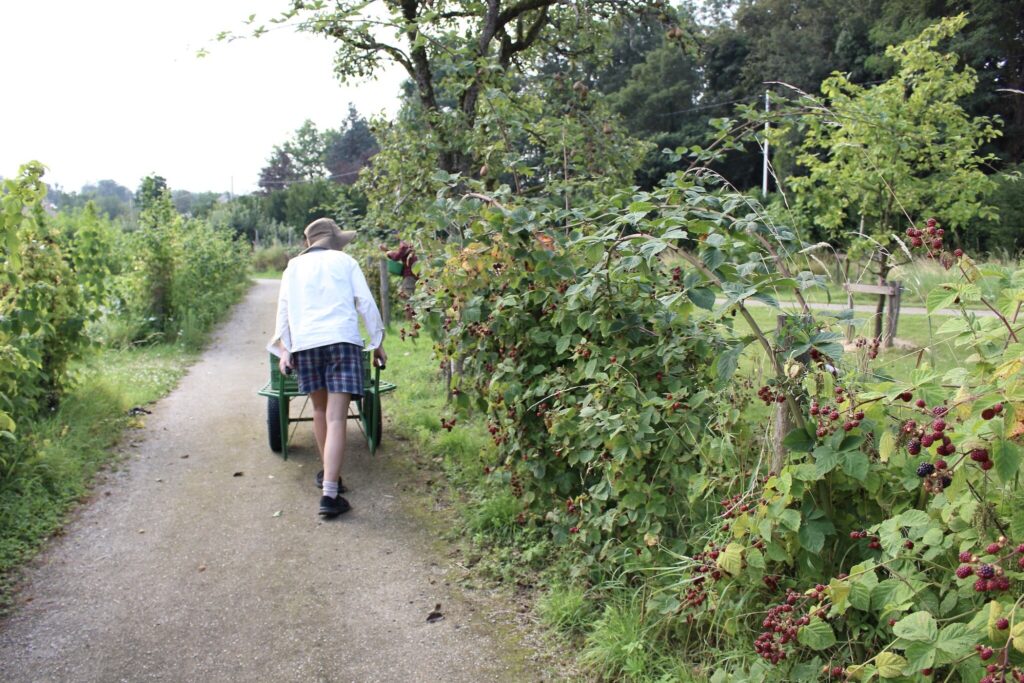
[[321, 293]]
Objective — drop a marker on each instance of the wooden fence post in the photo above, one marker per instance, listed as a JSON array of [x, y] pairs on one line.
[[385, 292], [894, 311], [783, 421]]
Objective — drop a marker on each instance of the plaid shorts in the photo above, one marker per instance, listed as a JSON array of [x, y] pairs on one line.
[[335, 367]]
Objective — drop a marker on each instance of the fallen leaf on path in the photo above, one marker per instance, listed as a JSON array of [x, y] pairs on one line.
[[142, 531], [202, 567], [278, 513], [184, 456], [159, 479], [435, 614], [238, 474]]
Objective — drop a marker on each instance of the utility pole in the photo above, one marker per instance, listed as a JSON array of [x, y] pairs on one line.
[[764, 172]]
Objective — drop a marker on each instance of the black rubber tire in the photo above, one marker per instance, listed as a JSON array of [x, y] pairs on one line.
[[274, 424]]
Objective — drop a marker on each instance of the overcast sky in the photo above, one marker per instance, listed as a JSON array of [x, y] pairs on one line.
[[113, 89]]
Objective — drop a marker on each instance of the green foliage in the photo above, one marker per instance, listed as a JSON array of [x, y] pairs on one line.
[[567, 609], [884, 155]]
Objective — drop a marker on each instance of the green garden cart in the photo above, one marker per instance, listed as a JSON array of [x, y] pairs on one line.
[[366, 410]]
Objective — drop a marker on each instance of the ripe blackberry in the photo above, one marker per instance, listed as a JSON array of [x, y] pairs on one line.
[[939, 411], [924, 469], [914, 448], [986, 571]]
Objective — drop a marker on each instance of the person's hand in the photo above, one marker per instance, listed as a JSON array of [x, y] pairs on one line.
[[380, 359], [285, 363]]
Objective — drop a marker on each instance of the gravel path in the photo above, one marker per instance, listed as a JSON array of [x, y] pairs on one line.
[[180, 571]]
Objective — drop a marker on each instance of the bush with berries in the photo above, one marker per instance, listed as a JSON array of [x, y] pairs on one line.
[[883, 541]]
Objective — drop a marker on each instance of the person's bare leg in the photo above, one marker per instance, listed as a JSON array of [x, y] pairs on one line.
[[337, 426], [319, 399]]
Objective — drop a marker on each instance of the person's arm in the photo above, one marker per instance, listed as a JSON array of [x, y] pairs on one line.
[[282, 331], [370, 314]]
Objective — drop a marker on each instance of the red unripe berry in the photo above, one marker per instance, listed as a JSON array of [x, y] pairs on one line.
[[931, 222], [981, 585], [906, 396], [993, 548], [987, 465], [936, 243], [908, 544], [967, 557], [917, 242], [836, 671], [986, 653], [941, 464], [927, 440], [1002, 623], [998, 408], [958, 253], [939, 425], [920, 403], [1020, 549], [988, 414], [926, 672]]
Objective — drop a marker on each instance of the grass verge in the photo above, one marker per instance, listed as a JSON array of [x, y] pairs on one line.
[[57, 457]]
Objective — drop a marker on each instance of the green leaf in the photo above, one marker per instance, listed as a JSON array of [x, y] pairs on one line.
[[825, 460], [940, 297], [702, 297], [855, 464], [955, 641], [812, 535], [914, 518], [730, 560], [727, 362], [920, 655], [799, 440], [817, 635], [890, 664], [887, 446], [1006, 456], [919, 626], [790, 519]]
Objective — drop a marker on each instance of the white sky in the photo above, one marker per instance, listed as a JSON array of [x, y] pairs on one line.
[[113, 89]]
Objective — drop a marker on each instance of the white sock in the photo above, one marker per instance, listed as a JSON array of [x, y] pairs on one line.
[[331, 489]]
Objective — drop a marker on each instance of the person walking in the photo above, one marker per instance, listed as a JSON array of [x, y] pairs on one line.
[[317, 335]]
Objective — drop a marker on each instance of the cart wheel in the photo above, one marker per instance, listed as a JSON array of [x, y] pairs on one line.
[[274, 423]]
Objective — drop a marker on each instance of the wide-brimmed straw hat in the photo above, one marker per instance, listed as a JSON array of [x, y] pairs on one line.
[[325, 234]]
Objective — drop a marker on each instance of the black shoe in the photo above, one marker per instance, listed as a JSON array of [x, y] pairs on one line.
[[320, 482], [332, 507]]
